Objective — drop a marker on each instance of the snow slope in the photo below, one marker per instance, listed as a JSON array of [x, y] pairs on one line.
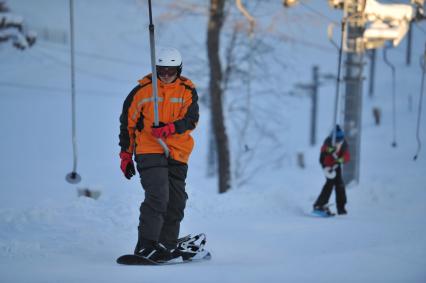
[[258, 232]]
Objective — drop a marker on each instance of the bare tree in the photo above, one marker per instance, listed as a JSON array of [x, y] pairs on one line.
[[243, 53], [245, 115], [216, 19]]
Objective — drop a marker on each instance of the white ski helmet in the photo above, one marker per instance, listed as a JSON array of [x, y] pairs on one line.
[[169, 57]]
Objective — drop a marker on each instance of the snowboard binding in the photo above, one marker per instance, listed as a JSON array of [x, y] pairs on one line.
[[192, 248], [323, 211], [189, 249]]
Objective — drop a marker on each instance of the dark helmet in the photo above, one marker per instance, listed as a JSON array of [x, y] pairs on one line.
[[340, 135]]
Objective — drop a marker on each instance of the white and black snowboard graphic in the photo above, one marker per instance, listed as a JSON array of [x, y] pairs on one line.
[[191, 248]]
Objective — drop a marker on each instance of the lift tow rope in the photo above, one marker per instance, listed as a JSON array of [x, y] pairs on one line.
[[419, 114], [73, 177], [385, 57]]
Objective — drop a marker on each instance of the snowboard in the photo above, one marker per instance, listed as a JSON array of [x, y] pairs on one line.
[[188, 242], [131, 259], [323, 214]]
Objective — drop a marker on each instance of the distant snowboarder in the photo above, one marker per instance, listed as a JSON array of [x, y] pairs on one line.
[[163, 178], [331, 159]]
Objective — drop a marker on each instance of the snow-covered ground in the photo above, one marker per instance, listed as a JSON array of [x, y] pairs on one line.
[[258, 232]]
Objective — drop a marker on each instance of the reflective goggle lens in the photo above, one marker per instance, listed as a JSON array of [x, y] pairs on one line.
[[166, 71]]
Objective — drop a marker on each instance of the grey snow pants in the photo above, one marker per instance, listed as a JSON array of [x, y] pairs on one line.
[[162, 210]]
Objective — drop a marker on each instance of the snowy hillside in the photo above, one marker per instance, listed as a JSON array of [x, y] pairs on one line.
[[260, 231]]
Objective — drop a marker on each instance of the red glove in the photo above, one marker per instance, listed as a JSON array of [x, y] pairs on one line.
[[127, 164], [163, 130]]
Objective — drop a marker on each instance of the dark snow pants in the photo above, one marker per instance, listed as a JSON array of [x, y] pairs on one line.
[[162, 210], [327, 189]]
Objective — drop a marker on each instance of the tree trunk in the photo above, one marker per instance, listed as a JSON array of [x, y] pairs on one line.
[[215, 23]]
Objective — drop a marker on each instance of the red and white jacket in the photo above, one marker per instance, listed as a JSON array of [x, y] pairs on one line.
[[328, 159]]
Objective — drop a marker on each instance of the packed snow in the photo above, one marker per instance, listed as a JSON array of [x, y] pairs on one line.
[[259, 231]]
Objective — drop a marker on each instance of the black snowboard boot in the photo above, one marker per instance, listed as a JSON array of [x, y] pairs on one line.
[[156, 252]]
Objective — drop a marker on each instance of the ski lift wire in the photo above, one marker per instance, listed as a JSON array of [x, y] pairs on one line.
[[154, 78], [385, 57], [73, 177], [306, 6], [419, 114], [337, 95]]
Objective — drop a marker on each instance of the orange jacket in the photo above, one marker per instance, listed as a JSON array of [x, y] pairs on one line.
[[177, 103]]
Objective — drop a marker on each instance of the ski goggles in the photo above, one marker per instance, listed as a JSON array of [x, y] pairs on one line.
[[167, 71]]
